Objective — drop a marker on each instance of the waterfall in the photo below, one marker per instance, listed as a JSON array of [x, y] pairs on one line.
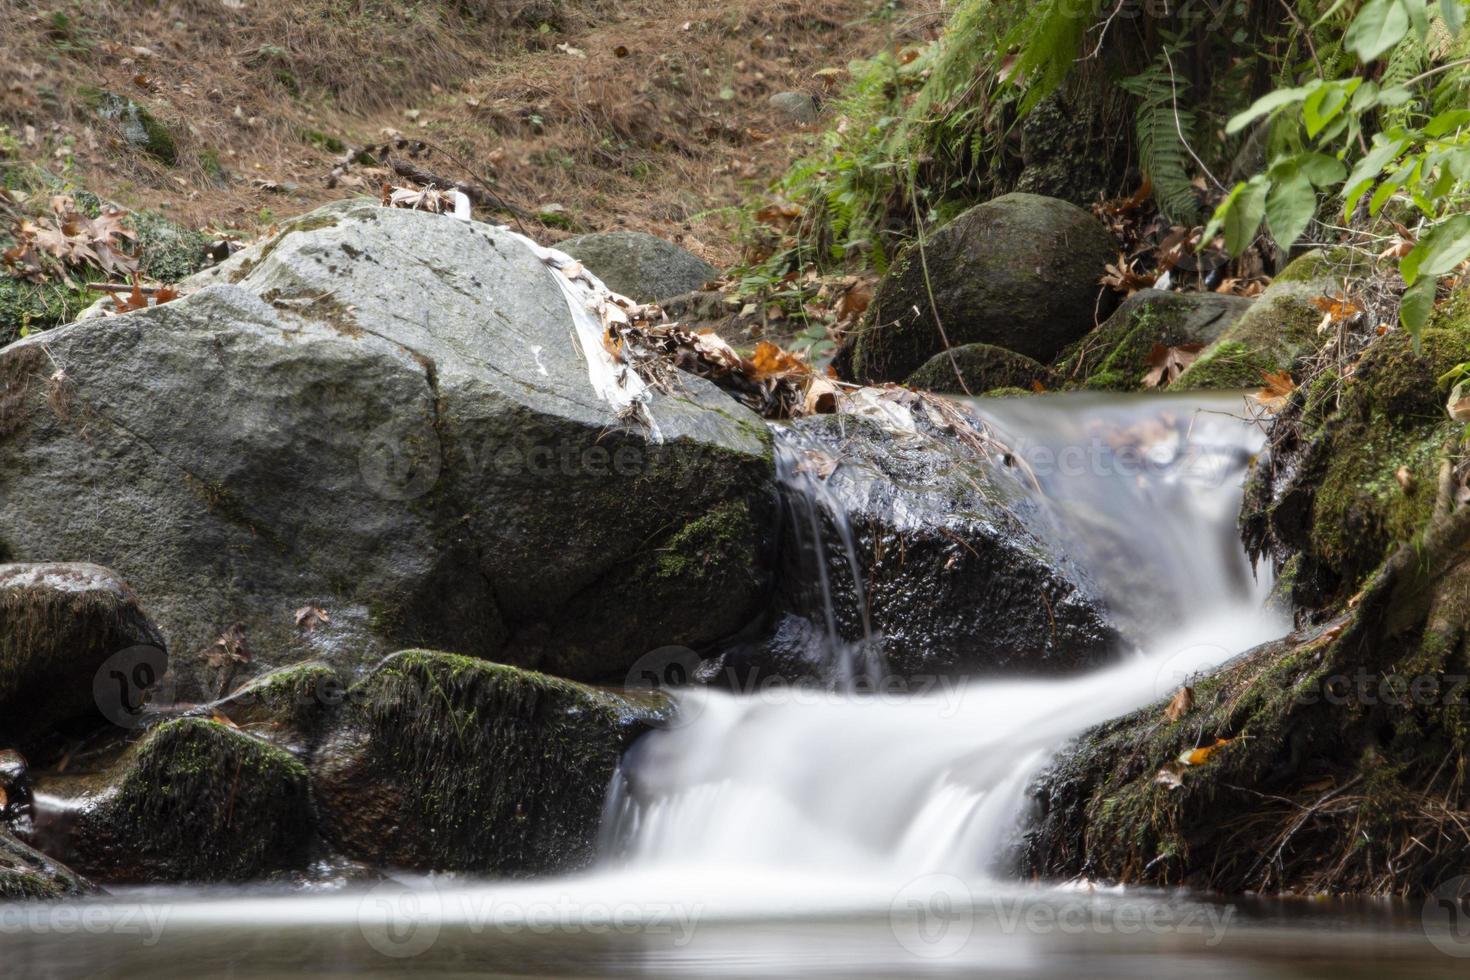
[[1143, 492]]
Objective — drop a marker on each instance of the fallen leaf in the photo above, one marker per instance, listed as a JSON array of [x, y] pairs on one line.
[[770, 361], [1167, 363], [1278, 389], [821, 397], [1201, 755], [1458, 405], [309, 618], [230, 647], [1181, 704]]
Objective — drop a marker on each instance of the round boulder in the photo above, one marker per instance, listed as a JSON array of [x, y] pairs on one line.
[[640, 266], [977, 368], [60, 625], [1020, 272]]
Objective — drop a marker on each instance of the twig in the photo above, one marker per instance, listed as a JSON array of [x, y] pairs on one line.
[[123, 287], [1178, 126]]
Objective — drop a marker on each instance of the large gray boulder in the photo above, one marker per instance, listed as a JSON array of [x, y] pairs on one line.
[[62, 626], [382, 414], [639, 265], [1020, 272]]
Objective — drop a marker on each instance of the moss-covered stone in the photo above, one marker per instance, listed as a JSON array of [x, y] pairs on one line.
[[59, 625], [1114, 357], [194, 800], [1278, 328], [27, 874], [167, 252], [1019, 272], [446, 762], [139, 127], [290, 706], [982, 367]]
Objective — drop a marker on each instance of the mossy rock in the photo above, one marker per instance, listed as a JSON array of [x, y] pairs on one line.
[[1018, 272], [983, 367], [27, 874], [1115, 355], [139, 128], [1278, 328], [451, 763], [59, 626], [291, 706], [194, 800], [167, 251], [1359, 471]]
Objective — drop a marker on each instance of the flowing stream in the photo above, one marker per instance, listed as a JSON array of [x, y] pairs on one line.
[[836, 831]]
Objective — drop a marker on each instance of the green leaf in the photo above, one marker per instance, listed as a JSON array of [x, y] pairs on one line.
[[1322, 170], [1289, 208], [1454, 15], [1323, 106], [1266, 104], [1378, 26], [1418, 13], [1368, 169], [1446, 122], [1244, 218], [1417, 305], [1446, 246]]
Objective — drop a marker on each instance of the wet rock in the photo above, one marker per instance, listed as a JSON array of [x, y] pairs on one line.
[[641, 266], [26, 873], [1075, 144], [194, 800], [1115, 355], [60, 624], [444, 762], [953, 567], [795, 105], [381, 413], [1019, 272], [981, 368], [15, 786]]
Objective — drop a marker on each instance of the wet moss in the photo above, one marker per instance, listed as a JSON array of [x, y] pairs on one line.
[[198, 801], [496, 769], [725, 531]]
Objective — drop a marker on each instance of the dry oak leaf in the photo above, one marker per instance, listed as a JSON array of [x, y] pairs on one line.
[[309, 618], [1277, 390], [1167, 363], [1181, 704]]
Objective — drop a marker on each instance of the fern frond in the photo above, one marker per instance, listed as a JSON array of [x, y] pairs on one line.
[[1161, 117]]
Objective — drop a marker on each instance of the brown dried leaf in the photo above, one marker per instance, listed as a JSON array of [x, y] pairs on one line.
[[1167, 363], [1181, 704], [309, 618], [1278, 388]]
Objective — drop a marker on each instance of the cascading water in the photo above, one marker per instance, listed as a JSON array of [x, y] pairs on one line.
[[1144, 491]]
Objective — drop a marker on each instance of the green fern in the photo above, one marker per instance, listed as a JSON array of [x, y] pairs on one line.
[[1162, 123]]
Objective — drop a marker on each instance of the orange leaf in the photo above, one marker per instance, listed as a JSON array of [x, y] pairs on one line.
[[1279, 387], [1201, 755], [770, 361]]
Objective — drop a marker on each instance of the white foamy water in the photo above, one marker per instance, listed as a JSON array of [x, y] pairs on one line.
[[793, 786]]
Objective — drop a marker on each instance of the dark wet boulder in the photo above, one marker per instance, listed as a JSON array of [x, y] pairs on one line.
[[1020, 272], [193, 800], [26, 873], [445, 762], [641, 266], [60, 625], [1115, 356], [950, 560], [383, 414], [977, 368]]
